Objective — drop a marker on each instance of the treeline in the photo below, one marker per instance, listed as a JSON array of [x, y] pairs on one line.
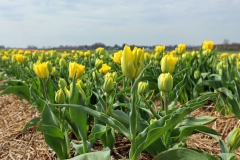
[[221, 47]]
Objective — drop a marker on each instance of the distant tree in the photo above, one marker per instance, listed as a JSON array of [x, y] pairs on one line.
[[226, 42]]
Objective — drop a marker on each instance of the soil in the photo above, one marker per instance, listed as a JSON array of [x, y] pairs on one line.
[[30, 145]]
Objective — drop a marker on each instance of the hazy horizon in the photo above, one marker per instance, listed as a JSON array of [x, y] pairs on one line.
[[61, 22]]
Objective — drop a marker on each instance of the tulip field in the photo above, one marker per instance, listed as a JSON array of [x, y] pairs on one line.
[[147, 97]]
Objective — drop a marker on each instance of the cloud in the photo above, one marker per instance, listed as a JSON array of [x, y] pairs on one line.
[[142, 22]]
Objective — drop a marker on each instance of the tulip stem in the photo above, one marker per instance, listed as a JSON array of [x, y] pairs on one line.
[[133, 121], [165, 103], [44, 88]]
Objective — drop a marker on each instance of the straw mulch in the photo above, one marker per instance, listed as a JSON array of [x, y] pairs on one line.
[[17, 144]]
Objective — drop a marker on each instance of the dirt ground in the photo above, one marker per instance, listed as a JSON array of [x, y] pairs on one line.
[[29, 145]]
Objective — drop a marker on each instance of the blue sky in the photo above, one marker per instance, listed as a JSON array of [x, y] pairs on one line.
[[141, 22]]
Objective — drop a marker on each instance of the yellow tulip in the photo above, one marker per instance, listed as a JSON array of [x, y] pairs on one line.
[[41, 70], [4, 58], [78, 68], [159, 49], [99, 49], [132, 62], [117, 57], [168, 63], [105, 69], [181, 48], [19, 58], [207, 45]]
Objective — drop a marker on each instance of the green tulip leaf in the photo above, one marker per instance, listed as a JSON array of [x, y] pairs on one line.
[[180, 153], [103, 155], [32, 122], [190, 121]]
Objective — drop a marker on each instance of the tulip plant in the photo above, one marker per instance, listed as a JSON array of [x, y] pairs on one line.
[[103, 93]]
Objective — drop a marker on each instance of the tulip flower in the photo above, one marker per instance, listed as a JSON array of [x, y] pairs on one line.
[[207, 45], [41, 70], [117, 57], [76, 68], [159, 49], [181, 48], [165, 82], [19, 58], [132, 62], [168, 63], [105, 69]]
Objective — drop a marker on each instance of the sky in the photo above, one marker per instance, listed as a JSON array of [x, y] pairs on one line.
[[140, 22]]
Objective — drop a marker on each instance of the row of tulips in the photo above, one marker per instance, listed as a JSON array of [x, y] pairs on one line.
[[105, 92]]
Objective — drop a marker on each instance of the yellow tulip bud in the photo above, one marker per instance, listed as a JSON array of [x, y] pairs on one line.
[[165, 82], [78, 68], [196, 74], [108, 85], [41, 70], [98, 63], [49, 66], [132, 62], [62, 62], [60, 97], [54, 71], [62, 83], [67, 92], [142, 88], [233, 139], [168, 63]]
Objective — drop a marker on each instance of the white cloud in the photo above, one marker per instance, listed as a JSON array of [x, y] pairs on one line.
[[75, 22]]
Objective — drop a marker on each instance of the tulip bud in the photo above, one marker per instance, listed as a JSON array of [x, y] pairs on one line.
[[165, 82], [62, 83], [233, 139], [108, 85], [101, 56], [67, 92], [98, 63], [60, 97], [196, 74], [54, 71], [62, 62], [49, 66], [142, 88]]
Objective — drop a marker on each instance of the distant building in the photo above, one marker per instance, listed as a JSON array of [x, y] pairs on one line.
[[2, 46]]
